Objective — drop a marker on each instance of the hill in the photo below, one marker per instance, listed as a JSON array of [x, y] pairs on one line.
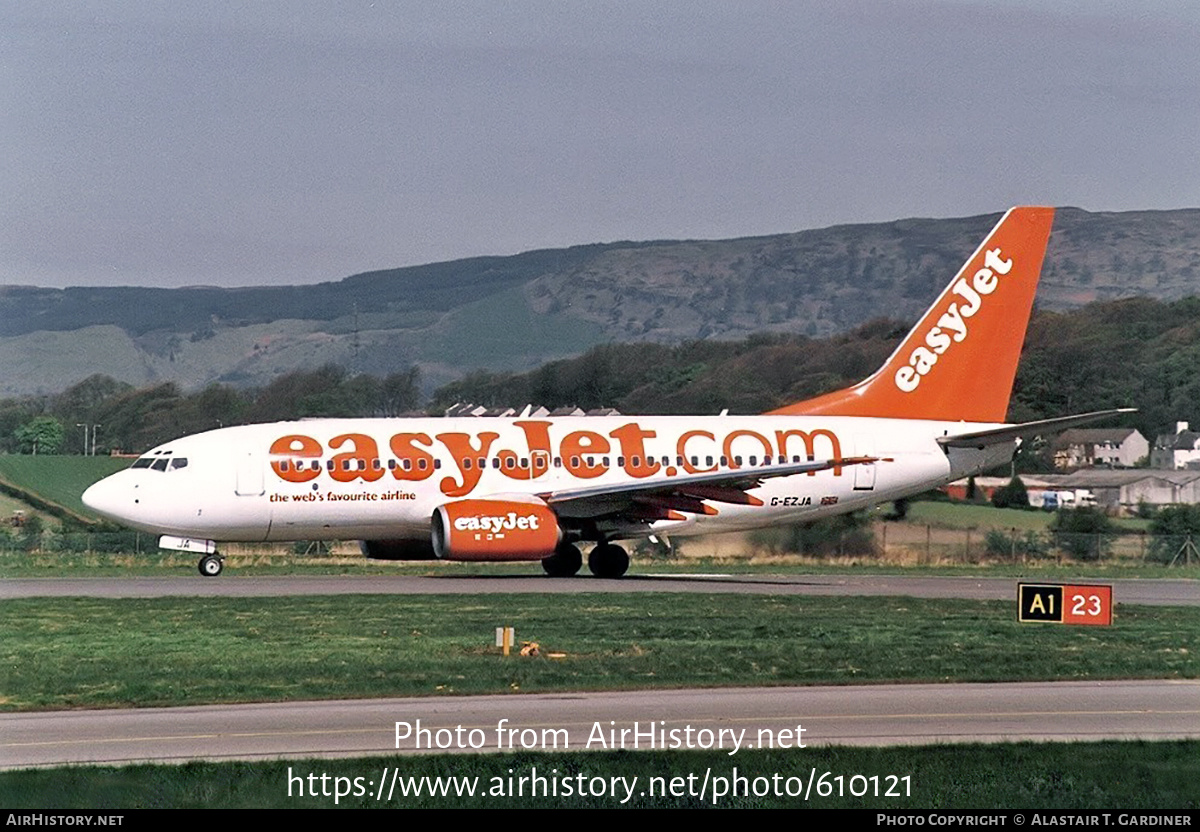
[[515, 313], [1136, 352], [55, 483]]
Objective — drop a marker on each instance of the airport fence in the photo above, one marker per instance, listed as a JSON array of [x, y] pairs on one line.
[[921, 544], [929, 544], [900, 543], [68, 546]]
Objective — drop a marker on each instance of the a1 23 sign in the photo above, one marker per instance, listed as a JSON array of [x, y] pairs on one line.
[[1089, 604]]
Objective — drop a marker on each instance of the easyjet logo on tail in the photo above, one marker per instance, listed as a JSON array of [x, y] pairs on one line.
[[951, 327], [962, 354]]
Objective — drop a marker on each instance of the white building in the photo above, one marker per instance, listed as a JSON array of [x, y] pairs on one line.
[[1110, 447], [1177, 451]]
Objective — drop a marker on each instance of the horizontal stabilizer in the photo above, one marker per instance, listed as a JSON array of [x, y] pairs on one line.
[[997, 436]]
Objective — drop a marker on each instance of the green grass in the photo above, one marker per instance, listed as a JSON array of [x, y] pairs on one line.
[[151, 562], [1080, 777], [83, 652], [11, 505], [57, 480], [154, 562], [948, 515], [974, 516]]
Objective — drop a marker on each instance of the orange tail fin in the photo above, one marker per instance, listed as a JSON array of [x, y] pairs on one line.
[[959, 361]]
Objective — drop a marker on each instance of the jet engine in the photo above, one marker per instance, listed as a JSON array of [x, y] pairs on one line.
[[420, 548], [516, 527]]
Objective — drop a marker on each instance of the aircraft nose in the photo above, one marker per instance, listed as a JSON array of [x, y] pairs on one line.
[[107, 498]]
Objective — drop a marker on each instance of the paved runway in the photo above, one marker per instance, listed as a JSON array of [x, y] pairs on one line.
[[867, 715], [1171, 592]]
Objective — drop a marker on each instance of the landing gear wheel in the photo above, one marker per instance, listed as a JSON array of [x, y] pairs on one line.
[[565, 562], [211, 566], [608, 560]]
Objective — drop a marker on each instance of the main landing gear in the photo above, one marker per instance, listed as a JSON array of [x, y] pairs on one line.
[[607, 560], [211, 565], [565, 561]]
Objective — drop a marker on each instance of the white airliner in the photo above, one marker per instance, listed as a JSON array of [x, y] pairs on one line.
[[501, 489]]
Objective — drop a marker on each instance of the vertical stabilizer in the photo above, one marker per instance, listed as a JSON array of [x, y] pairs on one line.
[[959, 361]]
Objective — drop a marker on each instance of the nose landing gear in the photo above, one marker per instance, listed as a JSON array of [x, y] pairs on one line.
[[211, 565]]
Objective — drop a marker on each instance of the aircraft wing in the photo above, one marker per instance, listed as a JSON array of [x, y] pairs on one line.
[[662, 498], [996, 436]]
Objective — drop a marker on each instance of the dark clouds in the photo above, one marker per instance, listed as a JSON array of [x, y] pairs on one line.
[[242, 144]]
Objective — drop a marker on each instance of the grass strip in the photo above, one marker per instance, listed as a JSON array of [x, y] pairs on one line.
[[86, 652], [1118, 777], [150, 561]]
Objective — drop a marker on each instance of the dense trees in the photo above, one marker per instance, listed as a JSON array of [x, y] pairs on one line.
[[40, 435], [1081, 532], [1138, 352], [1012, 495], [128, 419], [749, 376], [1176, 534]]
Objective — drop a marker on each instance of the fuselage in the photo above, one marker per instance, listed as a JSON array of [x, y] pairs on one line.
[[383, 478]]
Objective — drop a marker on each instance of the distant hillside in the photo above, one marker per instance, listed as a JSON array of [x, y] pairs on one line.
[[514, 313], [1135, 352]]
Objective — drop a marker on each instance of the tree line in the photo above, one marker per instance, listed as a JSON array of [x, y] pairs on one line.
[[114, 415], [1138, 353]]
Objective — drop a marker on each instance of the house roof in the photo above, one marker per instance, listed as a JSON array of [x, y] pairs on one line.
[[1119, 478], [1094, 436], [1185, 440]]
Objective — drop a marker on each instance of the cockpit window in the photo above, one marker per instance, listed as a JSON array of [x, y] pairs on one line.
[[161, 461]]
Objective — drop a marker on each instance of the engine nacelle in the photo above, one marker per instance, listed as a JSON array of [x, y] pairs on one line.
[[516, 528], [419, 548]]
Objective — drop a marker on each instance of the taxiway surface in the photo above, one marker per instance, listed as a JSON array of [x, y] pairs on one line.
[[860, 715], [1159, 592]]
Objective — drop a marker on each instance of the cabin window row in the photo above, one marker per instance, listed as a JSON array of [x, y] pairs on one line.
[[507, 463]]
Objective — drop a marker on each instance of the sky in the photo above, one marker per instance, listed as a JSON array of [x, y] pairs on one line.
[[235, 144]]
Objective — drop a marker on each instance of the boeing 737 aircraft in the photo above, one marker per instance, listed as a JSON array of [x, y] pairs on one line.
[[503, 489]]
